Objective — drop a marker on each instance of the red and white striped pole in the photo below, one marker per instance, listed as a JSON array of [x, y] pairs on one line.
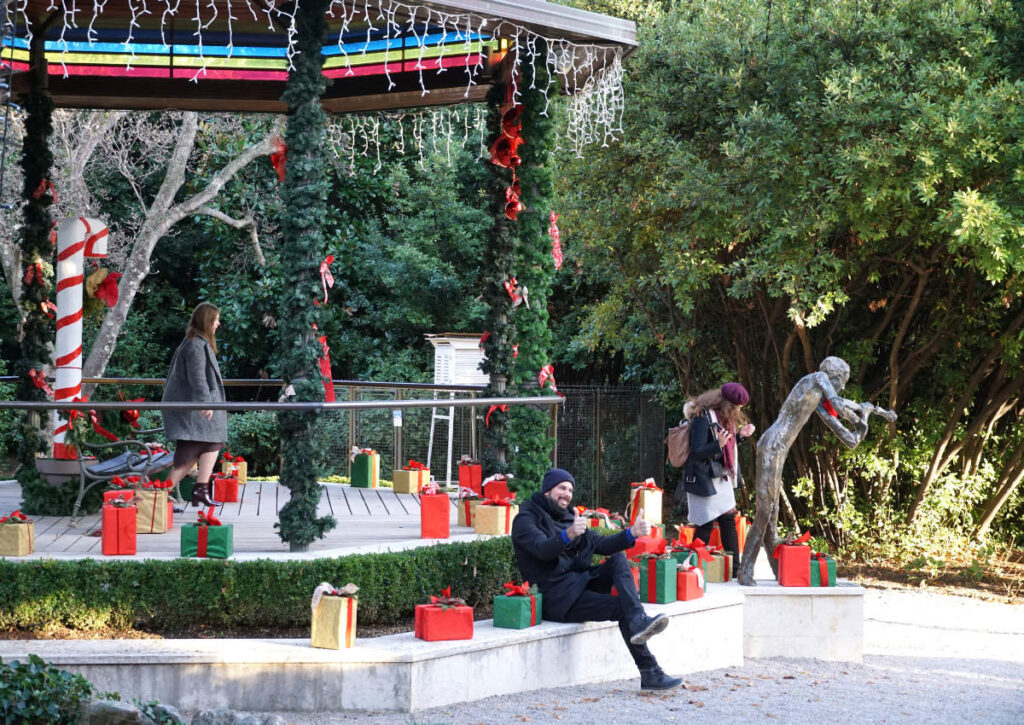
[[77, 238]]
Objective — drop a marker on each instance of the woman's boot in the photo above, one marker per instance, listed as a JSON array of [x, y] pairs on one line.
[[201, 495]]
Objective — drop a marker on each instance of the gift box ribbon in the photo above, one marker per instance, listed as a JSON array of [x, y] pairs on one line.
[[700, 572], [639, 487], [415, 466], [446, 599], [697, 546], [159, 484], [523, 590], [505, 501], [822, 567], [325, 589], [356, 450], [652, 576], [801, 541], [15, 517]]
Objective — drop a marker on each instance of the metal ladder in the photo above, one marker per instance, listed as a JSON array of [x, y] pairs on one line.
[[450, 419]]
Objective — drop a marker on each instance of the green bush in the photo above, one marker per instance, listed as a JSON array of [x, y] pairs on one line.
[[254, 436], [40, 693], [171, 595]]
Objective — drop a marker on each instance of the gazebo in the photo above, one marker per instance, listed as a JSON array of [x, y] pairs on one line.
[[307, 59]]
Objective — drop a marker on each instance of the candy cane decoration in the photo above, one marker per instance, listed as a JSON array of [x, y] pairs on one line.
[[77, 238]]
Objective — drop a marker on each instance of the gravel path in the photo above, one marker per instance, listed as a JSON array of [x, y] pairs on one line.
[[970, 667]]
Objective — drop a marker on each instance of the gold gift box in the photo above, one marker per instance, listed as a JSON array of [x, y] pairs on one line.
[[714, 570], [650, 502], [152, 516], [242, 474], [492, 519], [410, 481], [460, 504], [331, 623], [17, 539]]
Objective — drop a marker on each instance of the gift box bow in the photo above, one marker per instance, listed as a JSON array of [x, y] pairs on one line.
[[415, 466], [15, 517], [228, 458], [466, 492], [800, 541], [118, 482], [468, 460], [120, 503], [324, 589], [497, 477], [520, 590], [646, 484], [356, 450], [430, 489], [446, 600], [206, 518], [697, 546], [168, 484], [499, 500], [691, 567]]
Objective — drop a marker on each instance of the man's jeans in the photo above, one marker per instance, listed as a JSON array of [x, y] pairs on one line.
[[596, 604]]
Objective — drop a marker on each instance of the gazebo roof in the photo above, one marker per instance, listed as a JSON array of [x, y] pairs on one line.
[[234, 55]]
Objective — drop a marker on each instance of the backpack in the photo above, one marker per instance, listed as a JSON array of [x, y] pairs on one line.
[[679, 443]]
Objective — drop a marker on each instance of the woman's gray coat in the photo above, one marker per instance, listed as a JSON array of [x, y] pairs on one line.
[[195, 377]]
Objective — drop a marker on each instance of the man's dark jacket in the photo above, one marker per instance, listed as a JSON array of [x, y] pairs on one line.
[[561, 571]]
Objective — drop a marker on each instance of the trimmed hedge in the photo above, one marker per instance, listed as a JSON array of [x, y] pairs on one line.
[[87, 594]]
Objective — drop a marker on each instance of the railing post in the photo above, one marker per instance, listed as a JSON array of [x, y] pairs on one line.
[[554, 435], [351, 430], [398, 435]]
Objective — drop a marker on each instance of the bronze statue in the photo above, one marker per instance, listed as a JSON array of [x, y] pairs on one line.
[[814, 393]]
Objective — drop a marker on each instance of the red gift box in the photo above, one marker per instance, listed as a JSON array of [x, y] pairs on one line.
[[686, 533], [470, 476], [690, 584], [715, 541], [497, 487], [434, 622], [794, 557], [435, 516], [635, 570], [118, 530], [225, 489], [646, 545], [741, 532]]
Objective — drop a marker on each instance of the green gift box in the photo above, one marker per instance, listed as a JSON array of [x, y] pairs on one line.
[[823, 565], [519, 612], [211, 542], [658, 579], [685, 557], [366, 470]]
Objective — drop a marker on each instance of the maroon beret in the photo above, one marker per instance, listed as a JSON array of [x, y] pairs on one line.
[[735, 394]]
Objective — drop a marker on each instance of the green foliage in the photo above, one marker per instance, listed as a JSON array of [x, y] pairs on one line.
[[173, 594], [35, 693], [41, 498], [253, 435]]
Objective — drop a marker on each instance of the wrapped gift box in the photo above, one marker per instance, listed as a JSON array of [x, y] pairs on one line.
[[334, 622], [435, 516], [236, 468], [225, 489], [366, 470], [822, 570], [495, 488], [690, 583], [436, 622], [410, 480], [634, 569], [715, 541], [494, 519], [154, 511], [520, 610], [646, 545], [719, 569], [686, 533], [17, 535], [646, 497], [741, 531], [205, 541], [658, 579], [467, 508], [794, 562], [470, 476], [118, 529]]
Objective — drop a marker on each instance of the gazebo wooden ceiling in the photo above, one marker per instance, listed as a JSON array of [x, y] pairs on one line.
[[160, 54]]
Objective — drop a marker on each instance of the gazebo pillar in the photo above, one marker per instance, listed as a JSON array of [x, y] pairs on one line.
[[304, 203]]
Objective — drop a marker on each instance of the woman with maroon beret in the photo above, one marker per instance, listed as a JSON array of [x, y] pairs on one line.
[[712, 471]]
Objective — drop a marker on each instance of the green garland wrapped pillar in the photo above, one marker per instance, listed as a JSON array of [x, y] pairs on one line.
[[304, 202], [529, 431]]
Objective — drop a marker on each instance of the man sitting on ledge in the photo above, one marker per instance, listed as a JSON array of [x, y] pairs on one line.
[[554, 547]]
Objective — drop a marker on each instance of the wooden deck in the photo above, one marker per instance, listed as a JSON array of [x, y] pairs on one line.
[[368, 520]]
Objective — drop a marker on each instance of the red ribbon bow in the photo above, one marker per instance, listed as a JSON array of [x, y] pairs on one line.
[[106, 291], [547, 373], [517, 590], [326, 278], [487, 418], [95, 418], [697, 546], [206, 518], [49, 309], [44, 186], [415, 466], [800, 541], [15, 517], [648, 484], [499, 500], [556, 241], [484, 337], [34, 273], [446, 599], [38, 378], [279, 158]]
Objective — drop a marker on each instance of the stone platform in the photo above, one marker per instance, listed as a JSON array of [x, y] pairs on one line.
[[402, 673]]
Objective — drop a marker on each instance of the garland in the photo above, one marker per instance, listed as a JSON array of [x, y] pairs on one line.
[[37, 328], [496, 269], [304, 203], [529, 428]]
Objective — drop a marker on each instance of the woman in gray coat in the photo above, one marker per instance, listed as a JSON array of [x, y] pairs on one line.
[[195, 377]]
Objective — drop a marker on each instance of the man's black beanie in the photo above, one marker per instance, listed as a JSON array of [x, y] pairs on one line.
[[554, 477]]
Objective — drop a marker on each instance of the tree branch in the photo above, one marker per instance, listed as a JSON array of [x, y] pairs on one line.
[[246, 223]]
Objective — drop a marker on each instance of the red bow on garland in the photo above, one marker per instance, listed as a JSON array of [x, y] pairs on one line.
[[487, 418], [131, 417], [547, 373], [49, 309], [279, 158], [34, 273], [38, 378], [556, 241], [326, 278], [44, 186]]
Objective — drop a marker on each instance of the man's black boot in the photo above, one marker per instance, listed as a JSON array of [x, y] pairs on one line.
[[642, 627], [656, 679]]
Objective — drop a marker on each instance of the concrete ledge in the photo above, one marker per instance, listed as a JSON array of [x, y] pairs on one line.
[[825, 623], [398, 672]]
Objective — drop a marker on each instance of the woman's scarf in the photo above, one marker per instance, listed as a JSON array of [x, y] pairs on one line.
[[729, 449]]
